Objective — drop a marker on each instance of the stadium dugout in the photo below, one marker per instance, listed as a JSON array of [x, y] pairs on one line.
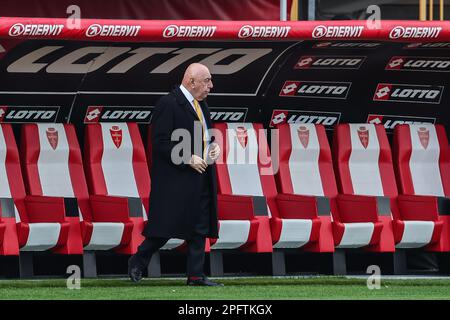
[[342, 126]]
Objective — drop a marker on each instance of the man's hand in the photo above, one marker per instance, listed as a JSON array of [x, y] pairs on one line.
[[214, 152], [198, 164]]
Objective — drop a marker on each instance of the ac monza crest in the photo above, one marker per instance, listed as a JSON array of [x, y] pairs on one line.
[[52, 137], [424, 136], [363, 134], [116, 135], [303, 135], [242, 136]]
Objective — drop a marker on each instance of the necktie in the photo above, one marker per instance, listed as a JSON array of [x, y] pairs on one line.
[[200, 117]]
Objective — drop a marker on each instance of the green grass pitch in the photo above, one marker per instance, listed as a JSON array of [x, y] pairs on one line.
[[259, 288]]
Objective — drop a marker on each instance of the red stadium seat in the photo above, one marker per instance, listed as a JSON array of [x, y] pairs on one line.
[[246, 170], [364, 162], [239, 184], [306, 168], [43, 224], [31, 223], [363, 165], [12, 193], [422, 163], [116, 165], [53, 169]]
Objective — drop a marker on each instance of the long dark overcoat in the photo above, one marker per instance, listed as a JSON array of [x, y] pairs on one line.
[[175, 188]]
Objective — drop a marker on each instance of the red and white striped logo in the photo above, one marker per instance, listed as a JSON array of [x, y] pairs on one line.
[[116, 136], [303, 135], [52, 137], [424, 136], [242, 136], [363, 134]]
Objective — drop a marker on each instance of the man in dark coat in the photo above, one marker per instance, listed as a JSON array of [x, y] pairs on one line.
[[183, 199]]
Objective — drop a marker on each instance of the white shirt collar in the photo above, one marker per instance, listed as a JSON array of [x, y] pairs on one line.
[[190, 98], [187, 94]]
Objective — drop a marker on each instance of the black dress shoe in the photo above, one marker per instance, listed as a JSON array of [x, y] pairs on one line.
[[203, 282], [134, 271]]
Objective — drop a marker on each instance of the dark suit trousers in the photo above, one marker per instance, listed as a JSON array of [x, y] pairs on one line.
[[195, 244], [195, 253]]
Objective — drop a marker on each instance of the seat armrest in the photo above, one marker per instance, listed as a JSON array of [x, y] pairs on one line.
[[45, 209], [231, 207], [109, 208]]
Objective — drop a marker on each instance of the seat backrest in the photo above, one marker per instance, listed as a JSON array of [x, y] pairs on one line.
[[115, 161], [363, 161], [52, 163], [305, 164], [245, 166], [11, 181], [422, 159]]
